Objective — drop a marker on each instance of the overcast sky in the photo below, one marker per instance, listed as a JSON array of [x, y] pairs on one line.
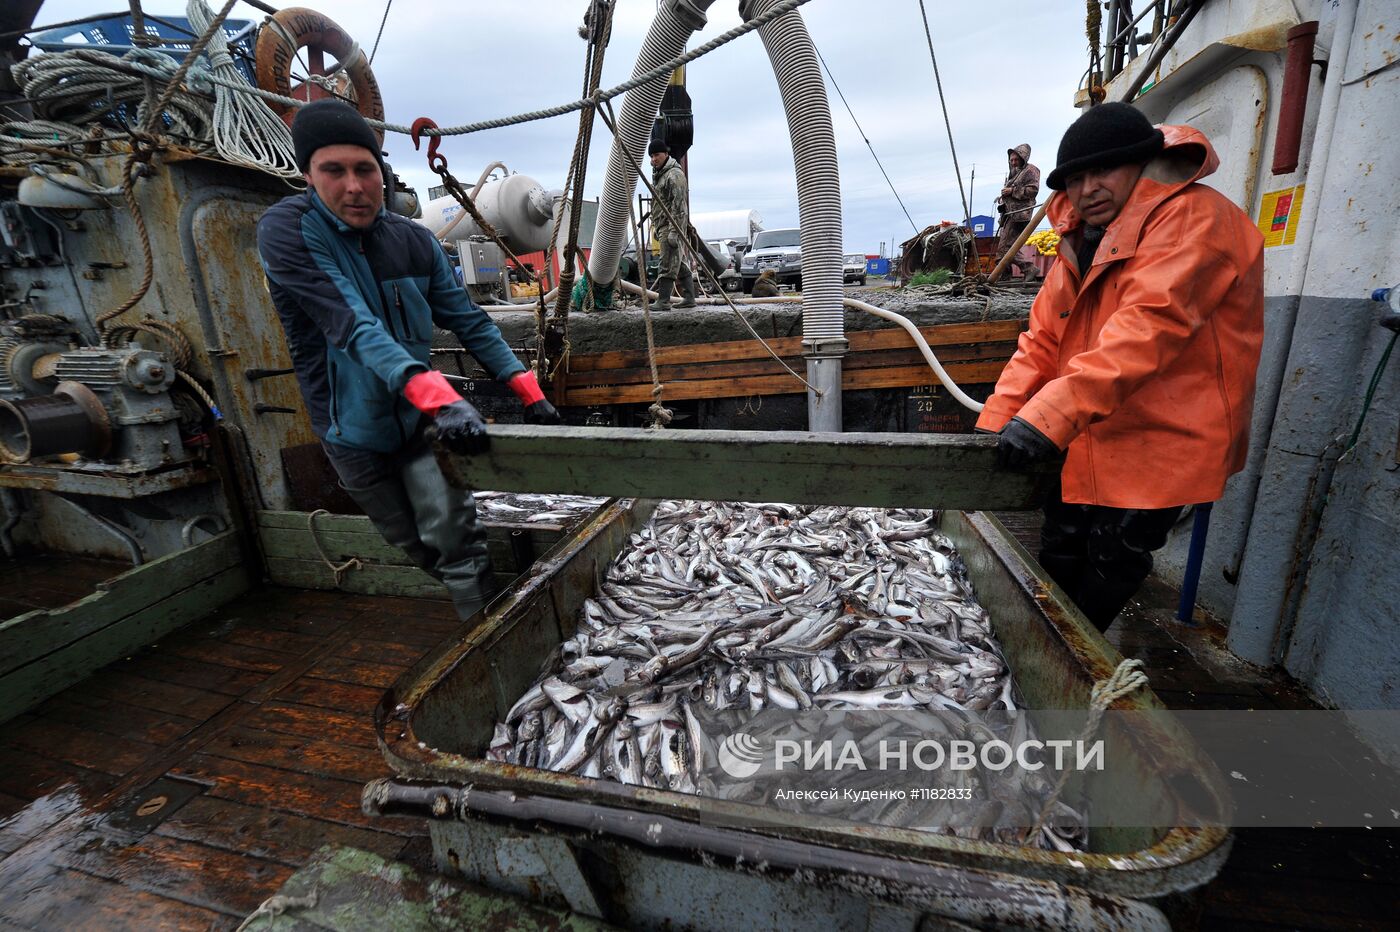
[[1009, 70]]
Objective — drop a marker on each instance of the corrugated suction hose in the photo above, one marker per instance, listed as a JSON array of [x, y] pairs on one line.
[[665, 40], [799, 75]]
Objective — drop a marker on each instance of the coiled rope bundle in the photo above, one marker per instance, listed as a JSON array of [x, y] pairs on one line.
[[213, 110]]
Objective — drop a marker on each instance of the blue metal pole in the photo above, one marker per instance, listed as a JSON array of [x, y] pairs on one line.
[[1186, 609]]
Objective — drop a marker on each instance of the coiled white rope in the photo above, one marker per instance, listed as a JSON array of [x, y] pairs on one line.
[[246, 132]]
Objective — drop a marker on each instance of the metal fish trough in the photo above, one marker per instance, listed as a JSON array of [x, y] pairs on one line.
[[644, 856]]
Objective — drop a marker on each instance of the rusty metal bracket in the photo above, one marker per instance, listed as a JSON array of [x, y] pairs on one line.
[[253, 375]]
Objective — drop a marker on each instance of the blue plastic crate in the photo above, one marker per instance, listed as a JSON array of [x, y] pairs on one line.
[[982, 225], [115, 35]]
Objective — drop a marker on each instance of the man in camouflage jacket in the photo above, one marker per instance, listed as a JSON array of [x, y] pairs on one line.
[[1017, 203], [670, 224]]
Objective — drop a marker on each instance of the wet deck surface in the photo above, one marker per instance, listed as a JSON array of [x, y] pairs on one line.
[[261, 715], [44, 580], [256, 726]]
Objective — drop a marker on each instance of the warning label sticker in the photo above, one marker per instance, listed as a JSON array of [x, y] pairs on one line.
[[1278, 216]]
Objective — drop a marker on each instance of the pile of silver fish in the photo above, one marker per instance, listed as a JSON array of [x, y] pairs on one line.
[[730, 606], [531, 508]]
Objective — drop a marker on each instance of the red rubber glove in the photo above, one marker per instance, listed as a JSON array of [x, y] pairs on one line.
[[429, 391], [526, 387]]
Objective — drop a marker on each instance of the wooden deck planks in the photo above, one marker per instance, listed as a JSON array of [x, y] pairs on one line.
[[313, 797], [266, 705], [353, 728], [194, 874], [267, 833], [318, 756], [90, 903]]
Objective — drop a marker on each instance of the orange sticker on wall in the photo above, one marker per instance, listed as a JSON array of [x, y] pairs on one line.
[[1278, 216]]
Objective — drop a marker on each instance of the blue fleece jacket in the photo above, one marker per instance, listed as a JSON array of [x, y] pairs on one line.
[[358, 308]]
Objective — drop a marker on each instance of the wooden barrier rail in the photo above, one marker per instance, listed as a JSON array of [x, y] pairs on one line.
[[972, 354]]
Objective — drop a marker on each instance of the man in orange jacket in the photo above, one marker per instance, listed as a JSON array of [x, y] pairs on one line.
[[1140, 358]]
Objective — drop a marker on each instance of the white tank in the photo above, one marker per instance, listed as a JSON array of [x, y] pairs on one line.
[[520, 209]]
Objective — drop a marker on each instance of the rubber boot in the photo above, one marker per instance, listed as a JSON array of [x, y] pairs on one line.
[[389, 510], [664, 286], [447, 522], [1101, 598], [1065, 570], [687, 280]]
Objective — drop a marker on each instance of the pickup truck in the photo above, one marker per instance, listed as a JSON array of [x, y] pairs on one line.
[[779, 250]]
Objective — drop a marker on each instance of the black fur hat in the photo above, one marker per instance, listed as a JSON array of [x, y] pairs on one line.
[[1105, 136]]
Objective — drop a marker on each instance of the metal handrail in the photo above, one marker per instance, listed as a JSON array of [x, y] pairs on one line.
[[1121, 47]]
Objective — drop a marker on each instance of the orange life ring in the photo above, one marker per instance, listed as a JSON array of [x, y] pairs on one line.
[[295, 28]]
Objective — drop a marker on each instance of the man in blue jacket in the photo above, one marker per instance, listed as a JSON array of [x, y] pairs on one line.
[[358, 290]]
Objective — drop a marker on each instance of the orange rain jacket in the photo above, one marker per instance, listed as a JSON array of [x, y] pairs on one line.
[[1143, 370]]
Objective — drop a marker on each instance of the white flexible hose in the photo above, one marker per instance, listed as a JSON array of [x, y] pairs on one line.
[[962, 397], [942, 374]]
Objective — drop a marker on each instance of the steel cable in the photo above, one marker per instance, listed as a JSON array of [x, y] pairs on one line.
[[865, 138], [967, 212]]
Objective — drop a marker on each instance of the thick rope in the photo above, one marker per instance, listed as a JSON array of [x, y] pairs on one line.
[[147, 257], [660, 415], [337, 571], [144, 145], [276, 905], [1125, 679], [602, 32], [154, 70], [609, 120], [177, 345], [786, 6], [87, 86]]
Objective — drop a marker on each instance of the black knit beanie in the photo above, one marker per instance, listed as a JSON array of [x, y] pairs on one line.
[[330, 122], [1106, 136], [658, 145]]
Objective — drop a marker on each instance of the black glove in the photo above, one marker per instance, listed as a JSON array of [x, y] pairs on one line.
[[542, 412], [1020, 445], [460, 428]]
